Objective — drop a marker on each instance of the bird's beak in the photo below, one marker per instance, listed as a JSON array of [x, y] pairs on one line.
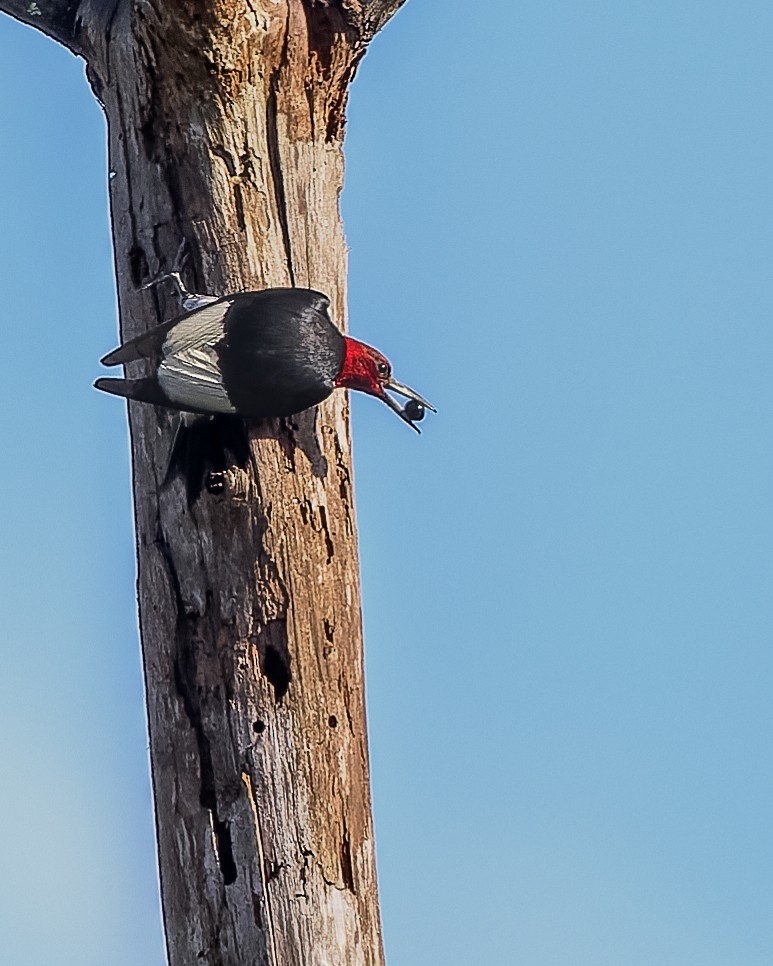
[[409, 393], [401, 390]]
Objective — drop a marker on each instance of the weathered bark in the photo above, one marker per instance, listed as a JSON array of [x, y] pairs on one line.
[[225, 122], [57, 18]]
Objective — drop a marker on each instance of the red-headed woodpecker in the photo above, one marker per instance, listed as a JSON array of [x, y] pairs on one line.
[[256, 354]]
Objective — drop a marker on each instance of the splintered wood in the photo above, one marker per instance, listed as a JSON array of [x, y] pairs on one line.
[[225, 123]]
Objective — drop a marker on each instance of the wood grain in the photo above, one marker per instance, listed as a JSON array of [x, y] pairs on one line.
[[225, 126]]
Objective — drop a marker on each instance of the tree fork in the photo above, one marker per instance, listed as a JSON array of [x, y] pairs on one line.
[[225, 125]]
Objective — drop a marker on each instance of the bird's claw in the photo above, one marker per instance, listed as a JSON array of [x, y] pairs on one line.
[[189, 301]]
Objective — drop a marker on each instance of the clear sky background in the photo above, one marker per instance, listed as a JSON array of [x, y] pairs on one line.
[[561, 226]]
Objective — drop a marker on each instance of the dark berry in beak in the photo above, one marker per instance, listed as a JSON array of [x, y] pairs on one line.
[[414, 411]]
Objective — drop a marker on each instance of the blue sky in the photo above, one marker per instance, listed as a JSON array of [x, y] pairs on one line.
[[560, 225]]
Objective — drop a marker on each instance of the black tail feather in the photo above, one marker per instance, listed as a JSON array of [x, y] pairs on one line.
[[204, 449], [144, 390]]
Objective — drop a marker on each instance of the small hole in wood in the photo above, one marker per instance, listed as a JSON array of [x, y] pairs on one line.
[[276, 667]]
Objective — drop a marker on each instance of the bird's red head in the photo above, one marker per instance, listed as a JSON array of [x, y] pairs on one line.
[[366, 370]]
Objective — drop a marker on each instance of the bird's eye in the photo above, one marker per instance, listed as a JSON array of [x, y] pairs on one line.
[[383, 369]]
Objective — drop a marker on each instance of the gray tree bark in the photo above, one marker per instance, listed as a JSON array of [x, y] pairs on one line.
[[225, 124]]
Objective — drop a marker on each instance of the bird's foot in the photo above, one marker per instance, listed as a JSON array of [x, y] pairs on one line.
[[189, 301]]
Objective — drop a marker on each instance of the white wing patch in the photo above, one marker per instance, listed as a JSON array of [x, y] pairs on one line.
[[189, 372], [202, 327]]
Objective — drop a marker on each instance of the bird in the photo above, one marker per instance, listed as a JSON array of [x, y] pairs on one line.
[[255, 355]]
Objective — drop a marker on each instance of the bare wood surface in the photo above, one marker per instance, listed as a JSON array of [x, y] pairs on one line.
[[56, 18], [376, 13], [225, 123]]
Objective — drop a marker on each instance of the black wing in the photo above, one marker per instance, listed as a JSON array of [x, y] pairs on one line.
[[192, 328]]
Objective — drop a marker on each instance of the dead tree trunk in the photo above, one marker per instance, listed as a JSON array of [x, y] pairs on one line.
[[225, 122]]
